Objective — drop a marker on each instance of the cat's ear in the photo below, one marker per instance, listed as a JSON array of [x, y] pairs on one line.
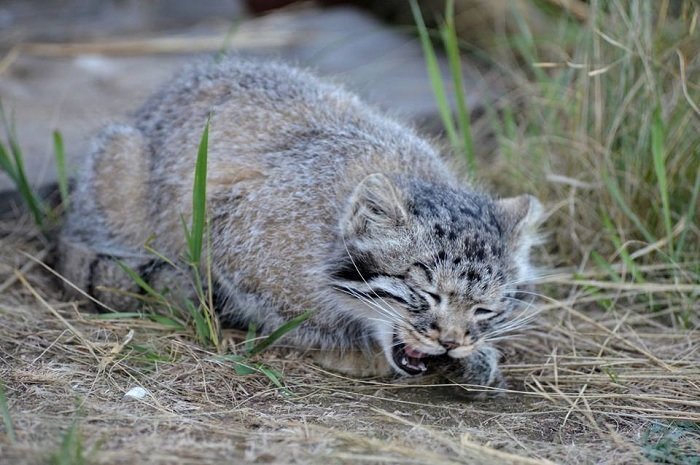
[[375, 206], [522, 214]]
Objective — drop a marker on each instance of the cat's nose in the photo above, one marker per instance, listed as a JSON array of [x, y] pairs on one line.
[[449, 344]]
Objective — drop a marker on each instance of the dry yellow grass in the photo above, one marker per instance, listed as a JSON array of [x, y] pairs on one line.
[[585, 387]]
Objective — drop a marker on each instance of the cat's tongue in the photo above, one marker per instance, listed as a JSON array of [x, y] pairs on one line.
[[413, 353]]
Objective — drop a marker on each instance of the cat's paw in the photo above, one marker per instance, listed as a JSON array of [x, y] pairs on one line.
[[478, 373]]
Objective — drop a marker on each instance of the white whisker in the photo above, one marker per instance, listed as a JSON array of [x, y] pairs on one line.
[[388, 312]]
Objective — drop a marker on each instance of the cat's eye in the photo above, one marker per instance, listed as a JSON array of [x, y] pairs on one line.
[[483, 313]]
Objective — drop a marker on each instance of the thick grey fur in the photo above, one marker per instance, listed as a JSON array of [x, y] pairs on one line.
[[316, 202]]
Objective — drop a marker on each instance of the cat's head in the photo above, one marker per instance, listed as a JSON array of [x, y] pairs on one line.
[[433, 269]]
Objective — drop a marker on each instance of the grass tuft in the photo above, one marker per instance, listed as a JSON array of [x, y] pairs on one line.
[[459, 133], [435, 75], [609, 136], [12, 164], [72, 450], [6, 418], [203, 312], [243, 364], [450, 41]]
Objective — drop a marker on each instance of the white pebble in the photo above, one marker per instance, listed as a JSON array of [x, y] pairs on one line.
[[136, 393]]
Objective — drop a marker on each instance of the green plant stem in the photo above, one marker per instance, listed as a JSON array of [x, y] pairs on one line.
[[450, 41], [59, 153], [435, 75]]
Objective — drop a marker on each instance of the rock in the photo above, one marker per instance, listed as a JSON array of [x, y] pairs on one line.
[[136, 393]]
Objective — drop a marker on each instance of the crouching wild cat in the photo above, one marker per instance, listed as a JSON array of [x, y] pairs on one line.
[[316, 202]]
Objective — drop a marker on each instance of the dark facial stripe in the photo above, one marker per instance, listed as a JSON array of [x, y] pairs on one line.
[[362, 269], [435, 297], [382, 293], [359, 269], [498, 319], [373, 295], [419, 304]]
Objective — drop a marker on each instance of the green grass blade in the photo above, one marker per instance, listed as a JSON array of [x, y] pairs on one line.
[[166, 321], [160, 256], [435, 75], [207, 297], [275, 378], [449, 38], [117, 316], [6, 163], [279, 332], [603, 264], [200, 325], [72, 451], [35, 205], [272, 376], [241, 365], [199, 199], [186, 230], [6, 418], [15, 161], [241, 368], [60, 155], [617, 196], [624, 254], [228, 39], [250, 337], [659, 155], [689, 216], [140, 282]]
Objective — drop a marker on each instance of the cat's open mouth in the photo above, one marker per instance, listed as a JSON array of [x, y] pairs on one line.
[[410, 360]]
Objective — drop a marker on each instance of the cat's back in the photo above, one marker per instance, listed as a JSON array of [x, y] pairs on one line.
[[253, 101], [276, 132], [260, 109]]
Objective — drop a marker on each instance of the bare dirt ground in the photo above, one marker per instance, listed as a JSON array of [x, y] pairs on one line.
[[587, 383]]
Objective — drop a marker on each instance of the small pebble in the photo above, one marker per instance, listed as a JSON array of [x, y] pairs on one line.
[[136, 393]]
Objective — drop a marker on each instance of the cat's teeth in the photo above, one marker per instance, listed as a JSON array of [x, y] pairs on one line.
[[410, 363]]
